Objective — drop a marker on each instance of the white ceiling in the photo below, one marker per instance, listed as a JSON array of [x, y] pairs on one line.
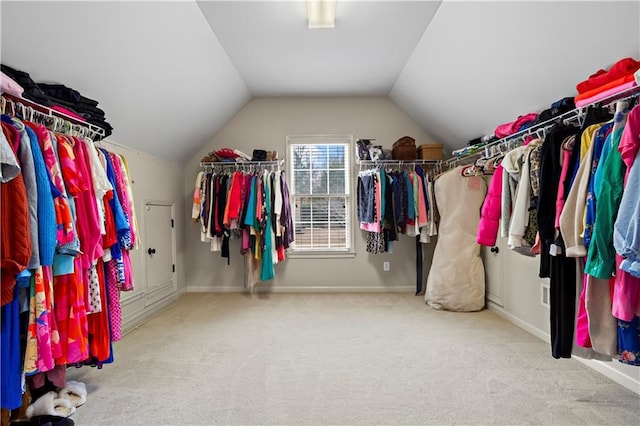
[[277, 55], [170, 74], [156, 68], [480, 64]]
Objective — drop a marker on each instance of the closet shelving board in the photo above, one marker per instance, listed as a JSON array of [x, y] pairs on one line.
[[540, 128], [28, 107], [375, 163], [243, 165]]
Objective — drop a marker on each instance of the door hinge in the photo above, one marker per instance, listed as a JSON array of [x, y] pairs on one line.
[[172, 223], [173, 267]]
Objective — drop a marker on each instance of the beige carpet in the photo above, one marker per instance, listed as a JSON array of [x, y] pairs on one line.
[[341, 359]]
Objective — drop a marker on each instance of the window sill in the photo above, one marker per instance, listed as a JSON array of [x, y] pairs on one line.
[[320, 254]]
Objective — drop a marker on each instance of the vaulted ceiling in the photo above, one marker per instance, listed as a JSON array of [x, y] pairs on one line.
[[171, 74]]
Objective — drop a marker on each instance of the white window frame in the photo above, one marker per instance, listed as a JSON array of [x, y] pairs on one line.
[[351, 224]]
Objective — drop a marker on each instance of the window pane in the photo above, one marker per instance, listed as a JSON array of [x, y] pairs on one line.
[[337, 209], [336, 157], [303, 209], [320, 190], [301, 156], [320, 210], [337, 182], [303, 235], [320, 237], [319, 182], [338, 235], [319, 156], [302, 179]]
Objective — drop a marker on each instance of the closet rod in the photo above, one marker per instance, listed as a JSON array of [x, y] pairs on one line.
[[565, 117], [239, 164], [95, 130], [394, 162]]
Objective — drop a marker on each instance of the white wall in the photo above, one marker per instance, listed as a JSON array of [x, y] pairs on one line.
[[154, 179], [264, 123]]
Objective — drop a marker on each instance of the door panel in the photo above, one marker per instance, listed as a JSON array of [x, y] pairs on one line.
[[493, 258], [159, 249]]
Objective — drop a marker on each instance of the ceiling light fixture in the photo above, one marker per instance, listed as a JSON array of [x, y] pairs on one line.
[[321, 13]]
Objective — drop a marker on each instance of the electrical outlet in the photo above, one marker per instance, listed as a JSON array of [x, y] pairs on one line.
[[386, 266], [544, 295]]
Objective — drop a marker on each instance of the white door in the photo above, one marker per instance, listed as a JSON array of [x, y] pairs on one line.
[[159, 250], [493, 258]]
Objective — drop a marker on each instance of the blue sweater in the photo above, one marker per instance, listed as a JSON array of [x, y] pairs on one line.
[[46, 210]]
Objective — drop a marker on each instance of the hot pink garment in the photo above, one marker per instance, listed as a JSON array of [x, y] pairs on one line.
[[87, 211], [605, 94], [113, 294], [513, 127], [491, 211], [65, 229], [626, 294], [68, 112], [245, 239], [128, 284], [45, 360], [630, 140], [422, 205], [56, 349], [561, 197], [582, 320]]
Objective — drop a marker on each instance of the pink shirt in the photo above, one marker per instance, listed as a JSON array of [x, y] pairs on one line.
[[423, 218], [629, 140], [566, 155], [605, 94]]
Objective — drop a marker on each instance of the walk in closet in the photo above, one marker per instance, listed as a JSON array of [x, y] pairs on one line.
[[319, 212]]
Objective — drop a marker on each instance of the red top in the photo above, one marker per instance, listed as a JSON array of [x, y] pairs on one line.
[[15, 245]]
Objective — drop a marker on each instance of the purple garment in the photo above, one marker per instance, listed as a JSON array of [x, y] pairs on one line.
[[286, 219]]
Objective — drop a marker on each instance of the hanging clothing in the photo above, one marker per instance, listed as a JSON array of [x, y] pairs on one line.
[[253, 207], [56, 226]]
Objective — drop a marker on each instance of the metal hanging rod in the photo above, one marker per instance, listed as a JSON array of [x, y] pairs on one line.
[[241, 164], [541, 128], [374, 162], [370, 164], [28, 109]]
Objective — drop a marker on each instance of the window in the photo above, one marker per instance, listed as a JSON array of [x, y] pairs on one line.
[[320, 193]]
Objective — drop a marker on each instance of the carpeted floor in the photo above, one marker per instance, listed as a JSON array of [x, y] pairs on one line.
[[343, 359]]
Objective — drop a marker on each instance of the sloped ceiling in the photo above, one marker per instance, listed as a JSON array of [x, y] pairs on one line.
[[480, 64], [171, 74], [156, 68]]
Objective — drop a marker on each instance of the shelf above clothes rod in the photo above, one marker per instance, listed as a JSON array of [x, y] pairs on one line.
[[394, 162], [240, 164], [566, 117], [95, 130]]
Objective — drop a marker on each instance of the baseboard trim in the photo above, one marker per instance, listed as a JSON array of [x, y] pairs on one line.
[[135, 321], [303, 289], [607, 370], [601, 367], [520, 323]]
